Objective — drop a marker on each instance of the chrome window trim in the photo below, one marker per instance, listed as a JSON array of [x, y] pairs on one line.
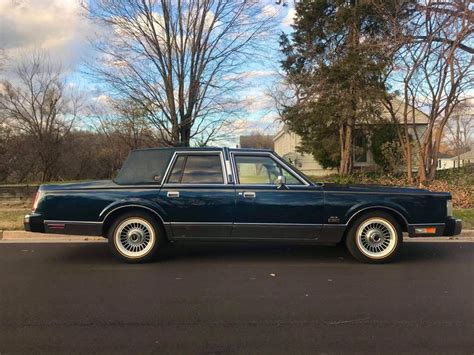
[[194, 152], [271, 156], [229, 171]]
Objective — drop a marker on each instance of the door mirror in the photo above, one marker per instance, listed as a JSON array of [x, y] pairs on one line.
[[280, 181]]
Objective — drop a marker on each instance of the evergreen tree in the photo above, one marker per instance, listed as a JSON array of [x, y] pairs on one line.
[[336, 56]]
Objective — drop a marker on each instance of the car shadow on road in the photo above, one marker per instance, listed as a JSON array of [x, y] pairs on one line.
[[211, 252], [240, 252]]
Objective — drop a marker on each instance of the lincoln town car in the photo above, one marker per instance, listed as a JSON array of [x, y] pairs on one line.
[[170, 195]]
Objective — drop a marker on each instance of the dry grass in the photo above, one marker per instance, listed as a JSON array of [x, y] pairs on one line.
[[12, 213], [459, 182]]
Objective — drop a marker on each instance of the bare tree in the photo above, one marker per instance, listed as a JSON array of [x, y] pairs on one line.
[[460, 129], [175, 58], [125, 125], [38, 103], [258, 140], [433, 72]]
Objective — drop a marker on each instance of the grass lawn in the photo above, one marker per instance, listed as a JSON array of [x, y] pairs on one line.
[[13, 219], [467, 216], [12, 213]]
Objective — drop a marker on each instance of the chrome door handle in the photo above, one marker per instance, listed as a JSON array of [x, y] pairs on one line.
[[249, 194], [173, 194]]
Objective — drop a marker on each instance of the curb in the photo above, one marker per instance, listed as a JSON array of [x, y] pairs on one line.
[[29, 237]]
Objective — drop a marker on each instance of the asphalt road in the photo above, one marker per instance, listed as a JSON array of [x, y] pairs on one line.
[[236, 299]]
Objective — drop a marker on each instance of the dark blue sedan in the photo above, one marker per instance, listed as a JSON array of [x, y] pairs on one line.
[[219, 194]]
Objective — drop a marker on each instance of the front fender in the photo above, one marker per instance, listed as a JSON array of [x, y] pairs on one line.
[[360, 208]]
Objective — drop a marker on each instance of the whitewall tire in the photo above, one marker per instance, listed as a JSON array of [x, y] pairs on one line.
[[375, 237], [134, 237]]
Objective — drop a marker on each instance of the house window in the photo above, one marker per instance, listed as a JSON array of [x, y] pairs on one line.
[[361, 146]]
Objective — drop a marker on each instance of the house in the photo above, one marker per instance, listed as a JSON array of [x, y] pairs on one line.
[[445, 161], [451, 162], [286, 145]]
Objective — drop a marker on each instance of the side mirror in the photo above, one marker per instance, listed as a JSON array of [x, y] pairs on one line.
[[280, 181]]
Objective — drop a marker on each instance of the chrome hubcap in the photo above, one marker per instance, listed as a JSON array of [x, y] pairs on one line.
[[134, 237], [376, 238]]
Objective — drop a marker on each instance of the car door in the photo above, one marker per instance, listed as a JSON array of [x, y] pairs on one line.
[[198, 199], [266, 210]]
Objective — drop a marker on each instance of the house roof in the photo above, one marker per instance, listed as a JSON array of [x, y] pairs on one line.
[[445, 156], [281, 133], [420, 118], [415, 116], [466, 156]]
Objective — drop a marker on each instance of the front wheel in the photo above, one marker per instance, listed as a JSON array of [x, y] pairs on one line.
[[135, 237], [374, 238]]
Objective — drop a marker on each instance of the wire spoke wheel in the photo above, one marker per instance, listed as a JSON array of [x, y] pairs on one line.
[[134, 237], [376, 238]]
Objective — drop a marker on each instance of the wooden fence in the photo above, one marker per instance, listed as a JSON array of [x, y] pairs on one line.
[[17, 193]]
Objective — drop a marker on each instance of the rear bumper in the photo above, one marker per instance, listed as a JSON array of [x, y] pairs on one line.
[[450, 227], [36, 223]]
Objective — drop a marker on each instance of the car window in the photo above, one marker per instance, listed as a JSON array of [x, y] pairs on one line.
[[253, 169], [197, 169], [177, 172]]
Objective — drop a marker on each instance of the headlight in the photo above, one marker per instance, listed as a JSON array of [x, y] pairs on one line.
[[449, 208]]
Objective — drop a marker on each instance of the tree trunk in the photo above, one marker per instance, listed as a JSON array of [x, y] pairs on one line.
[[346, 137], [185, 136]]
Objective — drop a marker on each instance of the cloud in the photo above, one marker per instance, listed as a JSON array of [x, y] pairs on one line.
[[257, 101], [270, 10], [53, 25], [251, 74], [289, 19]]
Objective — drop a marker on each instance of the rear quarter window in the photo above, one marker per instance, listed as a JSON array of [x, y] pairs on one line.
[[144, 167]]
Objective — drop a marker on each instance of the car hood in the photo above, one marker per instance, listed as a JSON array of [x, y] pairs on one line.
[[380, 189], [86, 185]]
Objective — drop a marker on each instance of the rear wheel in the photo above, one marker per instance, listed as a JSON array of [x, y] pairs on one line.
[[135, 237], [375, 237]]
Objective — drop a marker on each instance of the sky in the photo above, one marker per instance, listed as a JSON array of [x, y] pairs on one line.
[[59, 27]]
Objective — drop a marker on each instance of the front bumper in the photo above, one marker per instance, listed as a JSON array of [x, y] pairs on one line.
[[450, 227], [453, 227], [34, 223]]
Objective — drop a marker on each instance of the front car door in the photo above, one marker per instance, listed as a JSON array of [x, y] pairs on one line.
[[197, 196], [267, 211]]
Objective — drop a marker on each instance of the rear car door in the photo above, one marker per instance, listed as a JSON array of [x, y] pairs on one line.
[[198, 199], [267, 211]]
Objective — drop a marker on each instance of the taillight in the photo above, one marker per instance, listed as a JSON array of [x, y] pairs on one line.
[[36, 201]]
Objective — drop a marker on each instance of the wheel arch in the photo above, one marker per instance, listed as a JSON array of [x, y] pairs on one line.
[[399, 217], [111, 214]]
